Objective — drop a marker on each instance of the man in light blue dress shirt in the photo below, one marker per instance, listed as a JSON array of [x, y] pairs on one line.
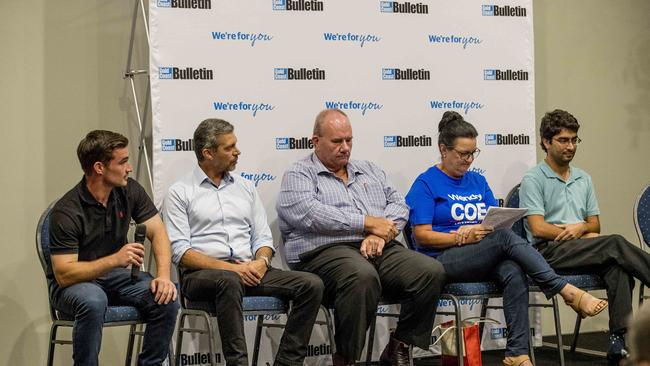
[[221, 239], [339, 218]]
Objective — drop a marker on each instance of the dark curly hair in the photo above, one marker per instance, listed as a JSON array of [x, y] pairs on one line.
[[453, 125], [554, 122]]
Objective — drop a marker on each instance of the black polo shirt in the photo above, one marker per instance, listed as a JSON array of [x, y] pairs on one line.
[[82, 225]]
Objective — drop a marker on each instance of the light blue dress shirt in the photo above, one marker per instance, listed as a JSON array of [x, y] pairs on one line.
[[226, 222], [543, 192], [316, 208]]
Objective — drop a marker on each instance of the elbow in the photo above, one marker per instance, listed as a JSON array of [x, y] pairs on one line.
[[62, 280]]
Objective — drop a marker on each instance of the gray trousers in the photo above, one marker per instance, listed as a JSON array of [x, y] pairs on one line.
[[354, 285], [613, 258]]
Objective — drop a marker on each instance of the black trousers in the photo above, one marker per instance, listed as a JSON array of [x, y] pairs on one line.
[[353, 286], [613, 258], [226, 290]]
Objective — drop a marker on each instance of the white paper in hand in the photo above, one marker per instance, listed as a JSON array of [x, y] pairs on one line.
[[503, 217]]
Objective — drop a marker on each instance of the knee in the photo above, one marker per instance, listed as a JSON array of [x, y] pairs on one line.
[[435, 272], [230, 281], [93, 307], [365, 279]]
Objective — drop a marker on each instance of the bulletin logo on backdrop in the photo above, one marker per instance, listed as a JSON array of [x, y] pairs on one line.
[[498, 333], [403, 7], [358, 38], [407, 141], [503, 11], [506, 74], [242, 106], [185, 4], [319, 350], [258, 177], [184, 73], [293, 143], [351, 105], [299, 5], [303, 73], [454, 39], [199, 358], [405, 74], [508, 139], [245, 37], [461, 105], [176, 145]]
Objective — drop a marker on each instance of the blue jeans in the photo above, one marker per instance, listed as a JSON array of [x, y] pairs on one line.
[[506, 258], [87, 302]]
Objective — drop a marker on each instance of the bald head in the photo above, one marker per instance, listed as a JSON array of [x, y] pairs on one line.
[[328, 115], [332, 139]]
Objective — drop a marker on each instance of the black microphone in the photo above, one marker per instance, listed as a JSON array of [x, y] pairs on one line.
[[138, 237]]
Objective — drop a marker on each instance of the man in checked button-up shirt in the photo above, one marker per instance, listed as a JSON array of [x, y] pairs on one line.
[[222, 241], [339, 218]]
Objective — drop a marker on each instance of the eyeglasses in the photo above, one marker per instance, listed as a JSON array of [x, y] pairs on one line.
[[467, 155], [565, 141]]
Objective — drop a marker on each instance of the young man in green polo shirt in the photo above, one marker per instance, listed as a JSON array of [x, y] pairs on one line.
[[562, 222]]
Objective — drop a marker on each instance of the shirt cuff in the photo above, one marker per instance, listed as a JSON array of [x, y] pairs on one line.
[[357, 223], [178, 250]]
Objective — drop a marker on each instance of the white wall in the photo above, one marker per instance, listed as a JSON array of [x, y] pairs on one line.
[[63, 61]]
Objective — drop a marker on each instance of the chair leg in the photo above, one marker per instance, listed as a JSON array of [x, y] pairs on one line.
[[179, 340], [50, 352], [213, 355], [531, 347], [460, 343], [371, 339], [484, 308], [641, 298], [258, 337], [330, 329], [129, 346], [576, 332], [558, 330]]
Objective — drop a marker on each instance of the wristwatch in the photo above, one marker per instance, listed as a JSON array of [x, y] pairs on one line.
[[266, 260]]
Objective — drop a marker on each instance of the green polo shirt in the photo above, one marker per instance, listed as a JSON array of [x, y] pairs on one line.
[[543, 192]]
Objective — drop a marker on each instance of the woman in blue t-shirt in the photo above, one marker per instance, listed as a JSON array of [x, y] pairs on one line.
[[448, 204]]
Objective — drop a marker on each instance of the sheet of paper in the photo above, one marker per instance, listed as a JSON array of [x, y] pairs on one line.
[[503, 217]]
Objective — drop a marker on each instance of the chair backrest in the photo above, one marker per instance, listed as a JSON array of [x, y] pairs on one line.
[[512, 201], [43, 249], [642, 216], [408, 238]]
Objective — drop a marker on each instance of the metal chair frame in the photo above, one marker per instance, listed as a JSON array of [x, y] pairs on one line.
[[259, 313], [642, 220], [57, 318]]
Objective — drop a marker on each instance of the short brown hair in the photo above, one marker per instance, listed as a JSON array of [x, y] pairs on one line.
[[98, 145]]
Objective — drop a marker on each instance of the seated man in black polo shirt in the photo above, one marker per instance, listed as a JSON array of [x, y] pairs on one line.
[[90, 252]]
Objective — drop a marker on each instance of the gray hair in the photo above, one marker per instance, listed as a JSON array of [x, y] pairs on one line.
[[206, 134], [320, 118]]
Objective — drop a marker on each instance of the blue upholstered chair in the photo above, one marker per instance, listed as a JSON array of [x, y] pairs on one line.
[[258, 306], [642, 224], [587, 282], [115, 315]]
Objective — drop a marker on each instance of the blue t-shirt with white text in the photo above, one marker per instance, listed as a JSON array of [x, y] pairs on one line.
[[448, 203]]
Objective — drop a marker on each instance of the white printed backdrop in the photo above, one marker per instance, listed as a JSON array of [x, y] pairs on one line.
[[393, 67]]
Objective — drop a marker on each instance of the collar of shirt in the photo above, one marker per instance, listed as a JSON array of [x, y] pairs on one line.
[[199, 177], [574, 174], [352, 168]]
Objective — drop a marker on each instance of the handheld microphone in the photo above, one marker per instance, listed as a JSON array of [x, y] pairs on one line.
[[138, 237]]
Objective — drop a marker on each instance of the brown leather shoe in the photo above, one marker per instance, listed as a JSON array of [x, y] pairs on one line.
[[396, 353], [340, 360]]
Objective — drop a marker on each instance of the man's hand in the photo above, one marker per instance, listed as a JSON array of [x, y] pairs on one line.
[[130, 254], [372, 246], [379, 226], [469, 234], [571, 231], [164, 290], [248, 272], [260, 266]]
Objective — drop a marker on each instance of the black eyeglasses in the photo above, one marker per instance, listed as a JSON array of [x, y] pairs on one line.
[[565, 140], [468, 155]]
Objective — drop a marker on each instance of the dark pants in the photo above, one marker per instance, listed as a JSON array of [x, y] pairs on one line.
[[353, 286], [505, 258], [226, 290], [613, 258], [87, 302]]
